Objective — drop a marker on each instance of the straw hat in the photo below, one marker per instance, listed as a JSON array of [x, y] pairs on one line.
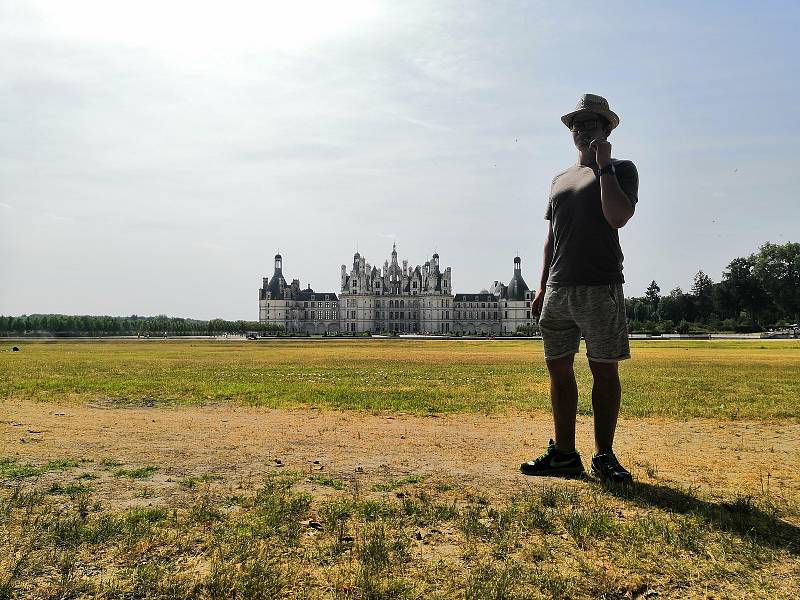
[[589, 103]]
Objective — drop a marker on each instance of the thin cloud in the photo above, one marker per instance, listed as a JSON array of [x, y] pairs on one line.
[[57, 217], [428, 124]]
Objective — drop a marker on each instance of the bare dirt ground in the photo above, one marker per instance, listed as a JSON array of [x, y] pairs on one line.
[[482, 452]]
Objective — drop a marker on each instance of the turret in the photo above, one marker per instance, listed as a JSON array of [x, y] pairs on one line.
[[277, 283], [517, 286]]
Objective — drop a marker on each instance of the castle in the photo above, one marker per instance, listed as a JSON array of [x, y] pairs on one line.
[[396, 299]]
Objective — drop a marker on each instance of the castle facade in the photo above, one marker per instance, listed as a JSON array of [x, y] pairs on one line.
[[397, 299]]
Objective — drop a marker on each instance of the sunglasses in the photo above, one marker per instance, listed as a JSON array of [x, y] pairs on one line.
[[585, 125]]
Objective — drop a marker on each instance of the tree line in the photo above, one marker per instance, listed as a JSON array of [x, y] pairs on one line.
[[757, 292], [88, 325]]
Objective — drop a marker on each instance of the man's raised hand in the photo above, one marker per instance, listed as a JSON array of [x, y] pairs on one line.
[[602, 149]]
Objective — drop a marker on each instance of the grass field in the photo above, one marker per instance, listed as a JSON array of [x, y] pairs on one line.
[[676, 379], [158, 470], [284, 536]]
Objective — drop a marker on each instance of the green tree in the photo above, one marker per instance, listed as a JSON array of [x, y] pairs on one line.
[[652, 294], [777, 267], [741, 291], [702, 290]]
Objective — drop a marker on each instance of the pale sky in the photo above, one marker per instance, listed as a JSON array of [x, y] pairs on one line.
[[154, 156]]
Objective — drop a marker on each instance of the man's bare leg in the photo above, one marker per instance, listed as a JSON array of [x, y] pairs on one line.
[[564, 399], [606, 395]]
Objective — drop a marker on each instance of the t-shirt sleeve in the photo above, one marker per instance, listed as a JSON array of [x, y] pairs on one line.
[[628, 178], [548, 213]]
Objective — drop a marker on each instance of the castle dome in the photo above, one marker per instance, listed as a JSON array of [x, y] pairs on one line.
[[517, 287], [276, 285]]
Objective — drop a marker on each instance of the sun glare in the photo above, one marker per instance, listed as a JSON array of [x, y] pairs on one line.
[[179, 27]]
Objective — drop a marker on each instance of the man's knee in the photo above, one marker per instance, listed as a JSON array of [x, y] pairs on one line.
[[561, 368], [604, 371]]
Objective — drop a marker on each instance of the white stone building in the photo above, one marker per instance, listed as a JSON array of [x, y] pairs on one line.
[[395, 299], [299, 311]]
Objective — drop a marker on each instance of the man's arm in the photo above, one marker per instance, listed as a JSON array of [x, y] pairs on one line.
[[617, 207], [536, 305]]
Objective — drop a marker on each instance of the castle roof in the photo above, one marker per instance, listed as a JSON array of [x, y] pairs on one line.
[[308, 293], [276, 284], [516, 287], [483, 297]]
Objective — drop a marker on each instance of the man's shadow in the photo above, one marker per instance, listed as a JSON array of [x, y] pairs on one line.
[[740, 517]]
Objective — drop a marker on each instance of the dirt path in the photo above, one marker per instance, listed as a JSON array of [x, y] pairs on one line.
[[482, 451]]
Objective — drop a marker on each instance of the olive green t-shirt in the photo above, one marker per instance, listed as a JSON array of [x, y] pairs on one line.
[[586, 248]]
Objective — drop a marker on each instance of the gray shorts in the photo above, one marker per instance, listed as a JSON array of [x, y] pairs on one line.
[[596, 311]]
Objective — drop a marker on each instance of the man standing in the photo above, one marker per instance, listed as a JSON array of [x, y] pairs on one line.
[[581, 290]]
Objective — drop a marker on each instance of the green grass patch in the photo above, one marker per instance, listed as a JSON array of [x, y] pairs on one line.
[[676, 378], [728, 379], [326, 481], [397, 483], [10, 468], [194, 481], [70, 489], [140, 473]]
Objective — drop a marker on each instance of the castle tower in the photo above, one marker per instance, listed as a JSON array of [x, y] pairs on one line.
[[517, 286], [277, 283]]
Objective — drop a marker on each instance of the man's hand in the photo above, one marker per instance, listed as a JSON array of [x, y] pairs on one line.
[[536, 305], [602, 148]]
